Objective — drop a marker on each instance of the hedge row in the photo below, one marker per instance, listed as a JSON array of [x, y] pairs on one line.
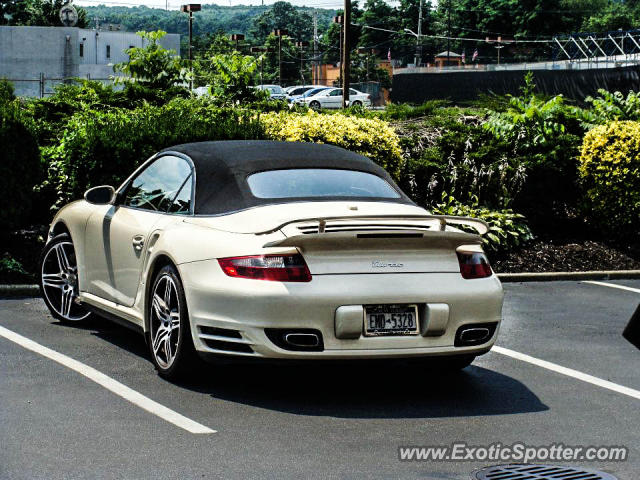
[[610, 170], [101, 146], [21, 167], [104, 147]]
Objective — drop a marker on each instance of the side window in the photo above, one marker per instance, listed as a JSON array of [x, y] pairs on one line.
[[352, 92], [336, 93], [158, 185], [182, 202]]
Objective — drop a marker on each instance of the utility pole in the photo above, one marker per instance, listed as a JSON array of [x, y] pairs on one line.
[[190, 8], [314, 76], [418, 42], [279, 32], [449, 33], [338, 20], [262, 51], [302, 46], [346, 53], [499, 44]]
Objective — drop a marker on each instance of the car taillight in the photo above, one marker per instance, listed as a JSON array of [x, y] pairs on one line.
[[473, 265], [278, 268]]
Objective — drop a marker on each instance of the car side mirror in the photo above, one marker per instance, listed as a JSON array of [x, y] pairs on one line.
[[101, 195]]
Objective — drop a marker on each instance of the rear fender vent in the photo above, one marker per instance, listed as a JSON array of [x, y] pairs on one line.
[[224, 339], [221, 332], [227, 346], [538, 472]]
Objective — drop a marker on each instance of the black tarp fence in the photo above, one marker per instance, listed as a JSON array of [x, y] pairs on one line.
[[464, 86]]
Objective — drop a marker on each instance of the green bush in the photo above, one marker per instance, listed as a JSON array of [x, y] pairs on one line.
[[103, 147], [545, 134], [12, 271], [450, 151], [371, 137], [404, 111], [507, 230], [7, 92], [609, 107], [21, 168], [610, 170]]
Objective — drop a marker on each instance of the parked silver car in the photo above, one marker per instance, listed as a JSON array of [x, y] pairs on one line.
[[276, 92], [332, 98]]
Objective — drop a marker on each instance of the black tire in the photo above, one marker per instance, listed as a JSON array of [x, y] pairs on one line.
[[315, 105], [178, 342], [58, 280], [357, 103]]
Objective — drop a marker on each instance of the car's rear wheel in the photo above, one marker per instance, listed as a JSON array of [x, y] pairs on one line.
[[315, 105], [59, 280], [357, 103], [170, 341]]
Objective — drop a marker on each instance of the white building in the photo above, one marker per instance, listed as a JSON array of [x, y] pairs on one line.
[[37, 58]]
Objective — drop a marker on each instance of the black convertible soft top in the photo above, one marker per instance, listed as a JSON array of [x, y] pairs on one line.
[[222, 169]]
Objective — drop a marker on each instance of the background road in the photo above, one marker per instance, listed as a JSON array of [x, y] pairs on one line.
[[319, 422]]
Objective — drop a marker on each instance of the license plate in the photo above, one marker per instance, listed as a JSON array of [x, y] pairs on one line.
[[390, 320]]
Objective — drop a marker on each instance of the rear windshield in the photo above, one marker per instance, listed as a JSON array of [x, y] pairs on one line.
[[319, 182]]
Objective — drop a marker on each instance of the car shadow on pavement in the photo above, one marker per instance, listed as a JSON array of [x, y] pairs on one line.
[[343, 391], [118, 335]]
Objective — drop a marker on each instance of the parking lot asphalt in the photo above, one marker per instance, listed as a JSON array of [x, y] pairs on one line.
[[321, 422]]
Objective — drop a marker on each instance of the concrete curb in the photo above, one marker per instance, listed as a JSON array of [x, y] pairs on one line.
[[8, 291], [555, 276], [12, 291]]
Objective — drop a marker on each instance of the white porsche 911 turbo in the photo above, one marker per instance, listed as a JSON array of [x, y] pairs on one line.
[[271, 249]]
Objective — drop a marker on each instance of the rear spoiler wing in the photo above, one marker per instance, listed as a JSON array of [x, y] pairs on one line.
[[443, 220]]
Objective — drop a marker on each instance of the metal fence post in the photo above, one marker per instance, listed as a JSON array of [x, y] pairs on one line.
[[41, 85]]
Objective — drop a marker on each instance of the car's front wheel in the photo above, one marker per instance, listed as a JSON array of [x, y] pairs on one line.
[[170, 341], [315, 105], [59, 280]]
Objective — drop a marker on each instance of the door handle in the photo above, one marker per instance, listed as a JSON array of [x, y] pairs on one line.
[[138, 242]]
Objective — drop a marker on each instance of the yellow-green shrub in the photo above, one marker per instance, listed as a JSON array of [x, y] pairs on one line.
[[610, 169], [371, 137]]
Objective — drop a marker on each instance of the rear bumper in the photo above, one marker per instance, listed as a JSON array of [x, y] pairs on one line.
[[229, 316]]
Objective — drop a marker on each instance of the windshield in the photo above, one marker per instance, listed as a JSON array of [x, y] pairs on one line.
[[319, 182], [299, 90], [313, 91]]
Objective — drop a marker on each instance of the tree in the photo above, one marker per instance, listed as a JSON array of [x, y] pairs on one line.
[[378, 14], [614, 16], [283, 15], [231, 77], [290, 61], [41, 13], [330, 43], [153, 66]]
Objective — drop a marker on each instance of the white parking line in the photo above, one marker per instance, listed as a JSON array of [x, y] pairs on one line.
[[613, 285], [568, 371], [109, 383]]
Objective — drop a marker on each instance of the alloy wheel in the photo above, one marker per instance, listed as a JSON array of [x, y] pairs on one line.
[[59, 277], [165, 321]]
